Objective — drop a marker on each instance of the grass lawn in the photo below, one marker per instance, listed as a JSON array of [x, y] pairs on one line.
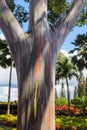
[[6, 128], [71, 121]]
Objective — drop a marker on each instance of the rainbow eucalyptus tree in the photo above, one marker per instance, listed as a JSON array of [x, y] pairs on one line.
[[35, 54]]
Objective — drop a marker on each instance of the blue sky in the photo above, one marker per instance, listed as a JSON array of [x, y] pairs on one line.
[[72, 36], [4, 74]]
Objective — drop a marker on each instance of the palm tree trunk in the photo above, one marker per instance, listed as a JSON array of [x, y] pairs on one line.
[[68, 96], [9, 90]]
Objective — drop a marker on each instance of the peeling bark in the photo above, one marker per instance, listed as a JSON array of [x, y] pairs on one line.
[[35, 58]]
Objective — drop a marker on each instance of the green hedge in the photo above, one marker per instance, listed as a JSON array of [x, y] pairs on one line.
[[3, 109]]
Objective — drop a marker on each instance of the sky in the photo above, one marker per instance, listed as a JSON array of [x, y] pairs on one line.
[[4, 73]]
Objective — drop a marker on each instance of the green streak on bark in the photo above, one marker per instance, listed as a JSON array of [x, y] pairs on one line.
[[35, 100]]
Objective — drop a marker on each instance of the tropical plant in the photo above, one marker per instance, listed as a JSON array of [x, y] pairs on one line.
[[61, 101], [56, 94], [6, 61], [80, 102], [75, 95], [65, 69], [79, 60]]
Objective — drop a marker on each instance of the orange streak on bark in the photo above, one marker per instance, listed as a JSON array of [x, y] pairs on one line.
[[49, 118], [37, 65]]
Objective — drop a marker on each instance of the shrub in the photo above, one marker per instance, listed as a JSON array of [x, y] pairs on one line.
[[63, 110], [8, 120], [3, 108], [60, 101]]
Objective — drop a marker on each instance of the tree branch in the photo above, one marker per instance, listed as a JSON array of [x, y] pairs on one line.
[[9, 25], [38, 13], [64, 26]]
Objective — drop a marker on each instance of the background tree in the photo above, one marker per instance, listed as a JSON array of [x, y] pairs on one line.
[[82, 86], [56, 94], [62, 92], [79, 59], [65, 69], [6, 61], [35, 54], [86, 86], [75, 95]]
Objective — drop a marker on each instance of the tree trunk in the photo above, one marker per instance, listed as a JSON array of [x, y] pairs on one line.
[[68, 96], [9, 90], [36, 108], [35, 59]]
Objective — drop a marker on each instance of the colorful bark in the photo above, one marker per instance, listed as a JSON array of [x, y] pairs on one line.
[[38, 59]]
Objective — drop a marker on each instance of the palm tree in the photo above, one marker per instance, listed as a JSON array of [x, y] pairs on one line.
[[6, 61], [65, 69], [75, 95], [56, 94], [79, 58]]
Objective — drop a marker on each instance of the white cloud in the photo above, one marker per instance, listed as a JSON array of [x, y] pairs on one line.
[[71, 89], [2, 36], [4, 93], [4, 76], [85, 72], [65, 52]]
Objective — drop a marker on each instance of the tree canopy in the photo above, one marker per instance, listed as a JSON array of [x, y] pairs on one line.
[[80, 56], [56, 9]]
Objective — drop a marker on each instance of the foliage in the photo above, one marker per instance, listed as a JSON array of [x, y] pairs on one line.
[[60, 8], [80, 58], [19, 11], [82, 20], [6, 128], [11, 4], [57, 8], [63, 110], [64, 67], [82, 87], [5, 54], [71, 121], [80, 102], [3, 108], [14, 102], [60, 101], [8, 120], [21, 14], [56, 94]]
